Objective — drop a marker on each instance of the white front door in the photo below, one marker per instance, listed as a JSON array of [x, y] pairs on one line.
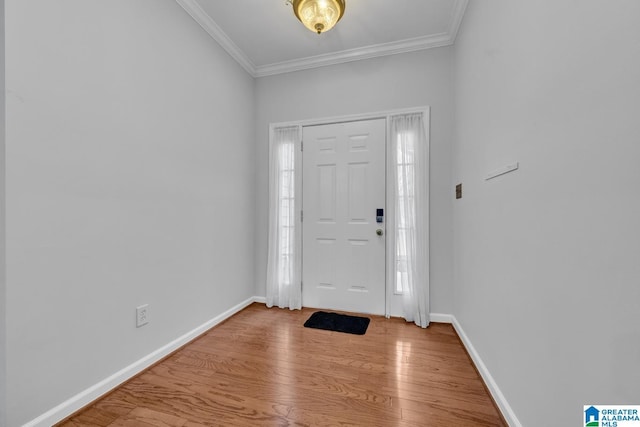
[[343, 255]]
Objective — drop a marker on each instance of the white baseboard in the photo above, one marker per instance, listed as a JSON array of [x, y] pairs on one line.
[[94, 392], [260, 300], [440, 318], [497, 395]]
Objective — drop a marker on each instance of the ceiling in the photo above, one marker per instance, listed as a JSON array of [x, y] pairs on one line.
[[265, 37]]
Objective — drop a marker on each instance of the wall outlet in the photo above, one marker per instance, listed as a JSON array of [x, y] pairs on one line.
[[142, 315]]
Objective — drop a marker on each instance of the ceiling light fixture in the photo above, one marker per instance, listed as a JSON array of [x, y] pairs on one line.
[[318, 15]]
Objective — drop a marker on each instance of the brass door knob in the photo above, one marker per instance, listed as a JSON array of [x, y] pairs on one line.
[[379, 232]]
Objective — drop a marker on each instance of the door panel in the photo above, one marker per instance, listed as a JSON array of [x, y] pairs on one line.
[[327, 192], [343, 185]]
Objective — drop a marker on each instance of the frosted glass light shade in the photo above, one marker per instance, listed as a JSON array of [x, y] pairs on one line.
[[319, 15]]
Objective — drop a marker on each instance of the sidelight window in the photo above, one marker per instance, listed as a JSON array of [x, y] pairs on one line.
[[283, 281], [410, 168]]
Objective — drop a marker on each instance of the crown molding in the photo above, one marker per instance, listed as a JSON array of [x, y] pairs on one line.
[[209, 25], [367, 52], [459, 9]]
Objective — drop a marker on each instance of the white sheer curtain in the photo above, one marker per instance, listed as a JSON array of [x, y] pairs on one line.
[[283, 267], [410, 168]]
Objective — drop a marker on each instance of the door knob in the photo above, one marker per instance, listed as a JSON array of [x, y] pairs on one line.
[[379, 231]]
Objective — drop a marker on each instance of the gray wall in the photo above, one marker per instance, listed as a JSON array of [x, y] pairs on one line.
[[546, 258], [393, 82], [3, 293], [129, 180]]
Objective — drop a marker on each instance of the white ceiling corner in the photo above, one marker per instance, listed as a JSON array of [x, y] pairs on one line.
[[445, 23], [209, 25]]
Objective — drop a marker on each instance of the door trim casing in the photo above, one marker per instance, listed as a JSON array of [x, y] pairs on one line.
[[392, 301]]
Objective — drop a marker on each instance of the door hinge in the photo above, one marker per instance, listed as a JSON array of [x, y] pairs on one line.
[[301, 145], [301, 216]]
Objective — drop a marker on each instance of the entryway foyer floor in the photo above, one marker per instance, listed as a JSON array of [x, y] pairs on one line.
[[261, 367]]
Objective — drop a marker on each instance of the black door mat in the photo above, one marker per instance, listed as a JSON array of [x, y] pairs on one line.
[[338, 322]]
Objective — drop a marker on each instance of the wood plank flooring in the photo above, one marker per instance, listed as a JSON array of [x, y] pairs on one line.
[[263, 368]]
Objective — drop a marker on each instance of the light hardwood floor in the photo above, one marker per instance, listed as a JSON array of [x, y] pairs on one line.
[[263, 368]]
